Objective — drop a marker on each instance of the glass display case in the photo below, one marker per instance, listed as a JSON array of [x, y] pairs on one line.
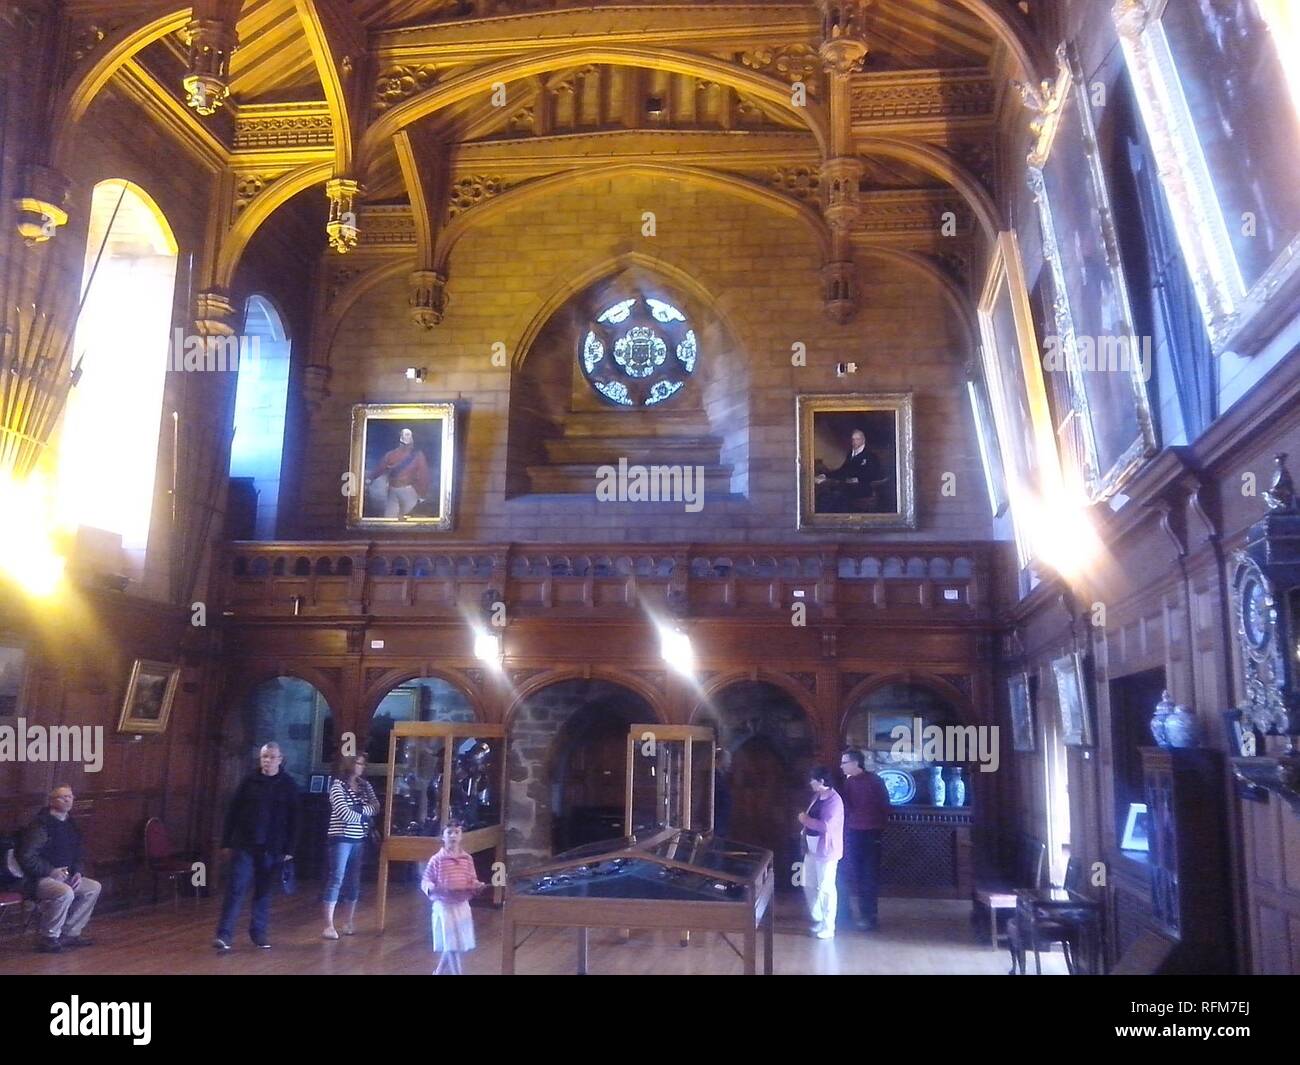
[[438, 770], [664, 878], [670, 771]]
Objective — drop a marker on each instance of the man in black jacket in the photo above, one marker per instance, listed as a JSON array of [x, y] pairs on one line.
[[261, 830], [51, 855]]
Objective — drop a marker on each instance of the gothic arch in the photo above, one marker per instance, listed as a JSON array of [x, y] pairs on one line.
[[960, 702], [375, 693], [637, 685], [235, 240], [956, 296], [482, 78], [710, 179], [787, 685], [944, 166]]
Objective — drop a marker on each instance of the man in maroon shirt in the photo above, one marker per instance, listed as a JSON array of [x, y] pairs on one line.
[[866, 812]]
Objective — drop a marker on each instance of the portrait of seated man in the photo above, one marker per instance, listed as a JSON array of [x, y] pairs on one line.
[[861, 484]]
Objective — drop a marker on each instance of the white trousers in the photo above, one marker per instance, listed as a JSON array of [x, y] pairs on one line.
[[819, 889], [65, 910]]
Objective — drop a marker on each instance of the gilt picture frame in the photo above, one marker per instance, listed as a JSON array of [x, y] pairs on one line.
[[1222, 110], [855, 463], [402, 466], [150, 693], [1071, 673], [1105, 362], [1020, 695]]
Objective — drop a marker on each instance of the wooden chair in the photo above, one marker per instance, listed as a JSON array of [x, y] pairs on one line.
[[1030, 872], [16, 909], [1043, 924], [163, 860]]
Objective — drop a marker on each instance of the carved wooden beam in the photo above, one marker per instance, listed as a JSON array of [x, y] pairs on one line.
[[426, 170], [338, 44]]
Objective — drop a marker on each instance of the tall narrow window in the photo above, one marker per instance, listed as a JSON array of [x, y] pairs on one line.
[[260, 397], [108, 448]]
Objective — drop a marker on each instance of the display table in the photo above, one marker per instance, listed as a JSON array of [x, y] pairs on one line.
[[664, 878]]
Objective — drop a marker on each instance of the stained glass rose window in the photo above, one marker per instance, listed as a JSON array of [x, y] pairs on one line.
[[638, 352]]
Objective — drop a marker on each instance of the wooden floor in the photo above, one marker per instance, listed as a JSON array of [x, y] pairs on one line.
[[919, 937]]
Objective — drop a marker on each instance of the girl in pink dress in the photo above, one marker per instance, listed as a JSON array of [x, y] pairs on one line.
[[450, 882]]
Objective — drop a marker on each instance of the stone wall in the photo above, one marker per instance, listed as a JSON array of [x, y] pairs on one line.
[[759, 272]]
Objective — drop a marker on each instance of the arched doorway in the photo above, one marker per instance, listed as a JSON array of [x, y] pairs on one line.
[[293, 713], [418, 699], [872, 721], [768, 742], [567, 764]]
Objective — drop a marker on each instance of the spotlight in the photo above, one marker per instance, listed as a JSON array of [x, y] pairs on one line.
[[416, 373], [487, 647], [676, 650]]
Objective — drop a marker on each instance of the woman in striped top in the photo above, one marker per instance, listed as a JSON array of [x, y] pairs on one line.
[[352, 806], [450, 881]]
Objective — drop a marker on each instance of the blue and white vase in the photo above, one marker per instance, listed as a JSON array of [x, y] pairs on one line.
[[1160, 720], [937, 790], [1182, 728], [957, 789]]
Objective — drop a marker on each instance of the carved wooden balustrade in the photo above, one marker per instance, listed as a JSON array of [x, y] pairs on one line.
[[950, 582]]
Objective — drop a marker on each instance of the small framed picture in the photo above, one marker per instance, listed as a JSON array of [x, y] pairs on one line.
[[1020, 689], [1243, 740], [1136, 828], [13, 679], [1072, 695], [317, 783], [149, 696], [882, 729]]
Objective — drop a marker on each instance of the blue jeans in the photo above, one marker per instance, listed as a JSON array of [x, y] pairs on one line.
[[344, 881], [261, 872]]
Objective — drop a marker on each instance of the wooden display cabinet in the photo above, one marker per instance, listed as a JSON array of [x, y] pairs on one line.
[[670, 777], [437, 769]]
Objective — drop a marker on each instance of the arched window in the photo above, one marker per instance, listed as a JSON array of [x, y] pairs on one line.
[[638, 352], [108, 447], [258, 445]]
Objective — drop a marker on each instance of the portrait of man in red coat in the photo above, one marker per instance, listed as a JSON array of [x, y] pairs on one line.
[[399, 481]]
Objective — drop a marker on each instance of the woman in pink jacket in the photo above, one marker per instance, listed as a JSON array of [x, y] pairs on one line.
[[823, 834]]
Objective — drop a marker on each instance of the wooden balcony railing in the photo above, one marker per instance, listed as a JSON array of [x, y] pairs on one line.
[[412, 579]]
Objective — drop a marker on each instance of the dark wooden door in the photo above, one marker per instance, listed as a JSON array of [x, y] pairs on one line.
[[763, 808]]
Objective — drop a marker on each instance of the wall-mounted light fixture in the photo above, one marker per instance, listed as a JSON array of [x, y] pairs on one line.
[[416, 373], [676, 650]]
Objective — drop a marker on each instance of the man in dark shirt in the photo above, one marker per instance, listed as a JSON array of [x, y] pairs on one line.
[[261, 829], [866, 812], [50, 854]]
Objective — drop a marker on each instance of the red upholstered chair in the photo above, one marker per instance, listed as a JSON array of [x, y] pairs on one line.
[[16, 909], [163, 860]]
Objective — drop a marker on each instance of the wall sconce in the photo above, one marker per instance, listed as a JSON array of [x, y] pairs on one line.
[[488, 648], [416, 373]]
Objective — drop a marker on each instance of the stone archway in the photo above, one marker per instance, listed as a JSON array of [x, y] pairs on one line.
[[566, 763], [769, 742]]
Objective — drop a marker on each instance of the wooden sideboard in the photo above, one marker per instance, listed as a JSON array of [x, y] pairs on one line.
[[926, 852]]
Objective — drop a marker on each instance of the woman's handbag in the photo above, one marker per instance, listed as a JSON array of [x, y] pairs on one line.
[[289, 876]]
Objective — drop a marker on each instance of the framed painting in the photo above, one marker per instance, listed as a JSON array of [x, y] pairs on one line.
[[1020, 692], [1220, 97], [1093, 339], [1072, 699], [1014, 378], [881, 726], [995, 477], [402, 466], [855, 465], [149, 696], [13, 679]]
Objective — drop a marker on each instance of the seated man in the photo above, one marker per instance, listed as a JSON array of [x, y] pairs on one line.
[[857, 486], [51, 856]]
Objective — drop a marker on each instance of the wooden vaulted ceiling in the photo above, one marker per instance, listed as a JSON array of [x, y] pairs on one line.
[[274, 61]]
